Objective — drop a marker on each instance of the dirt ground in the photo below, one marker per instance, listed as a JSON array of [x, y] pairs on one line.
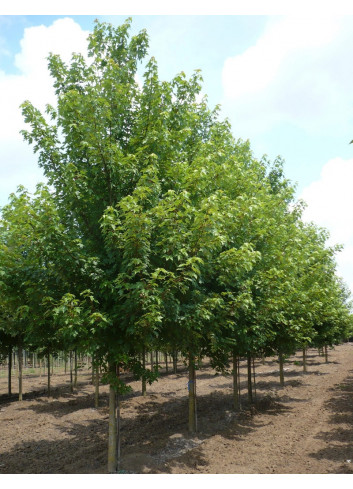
[[306, 427]]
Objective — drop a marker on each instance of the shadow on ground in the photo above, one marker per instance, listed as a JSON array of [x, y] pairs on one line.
[[339, 439]]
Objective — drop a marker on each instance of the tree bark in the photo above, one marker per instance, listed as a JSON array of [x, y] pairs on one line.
[[166, 362], [113, 427], [192, 395], [239, 386], [250, 397], [326, 354], [10, 371], [75, 378], [235, 382], [143, 374], [71, 376], [48, 360], [304, 359], [254, 374], [175, 362], [96, 384], [20, 372], [281, 371]]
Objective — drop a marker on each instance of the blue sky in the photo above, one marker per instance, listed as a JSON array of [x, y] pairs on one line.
[[285, 83]]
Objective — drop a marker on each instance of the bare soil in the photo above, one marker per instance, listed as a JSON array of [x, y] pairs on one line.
[[306, 427]]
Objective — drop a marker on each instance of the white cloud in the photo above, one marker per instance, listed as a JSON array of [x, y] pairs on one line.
[[330, 205], [17, 163], [297, 72]]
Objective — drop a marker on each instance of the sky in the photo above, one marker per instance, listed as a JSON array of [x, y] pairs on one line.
[[284, 82]]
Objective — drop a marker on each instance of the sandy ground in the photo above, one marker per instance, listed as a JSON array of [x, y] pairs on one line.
[[306, 427]]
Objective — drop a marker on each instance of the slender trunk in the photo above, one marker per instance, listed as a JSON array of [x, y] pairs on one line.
[[157, 363], [192, 395], [71, 377], [75, 378], [10, 371], [175, 362], [166, 362], [304, 360], [326, 354], [235, 382], [151, 360], [143, 374], [113, 428], [52, 365], [65, 363], [96, 393], [281, 371], [239, 387], [48, 360], [254, 375], [250, 398], [118, 438], [20, 372]]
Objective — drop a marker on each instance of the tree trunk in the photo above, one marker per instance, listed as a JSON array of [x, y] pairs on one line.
[[304, 360], [239, 386], [10, 371], [157, 363], [235, 382], [250, 397], [166, 362], [143, 374], [281, 371], [96, 383], [254, 375], [75, 378], [48, 360], [326, 354], [151, 360], [175, 362], [118, 439], [113, 428], [20, 372], [71, 376], [192, 395]]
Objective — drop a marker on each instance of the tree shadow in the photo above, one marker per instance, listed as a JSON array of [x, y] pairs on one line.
[[339, 439]]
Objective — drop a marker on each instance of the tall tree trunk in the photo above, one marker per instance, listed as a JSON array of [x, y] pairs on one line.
[[10, 371], [175, 362], [71, 376], [48, 360], [250, 397], [304, 359], [113, 427], [157, 362], [96, 381], [151, 360], [20, 372], [281, 371], [75, 378], [192, 395], [144, 368], [235, 382], [326, 354], [166, 362], [239, 386], [118, 438], [254, 375]]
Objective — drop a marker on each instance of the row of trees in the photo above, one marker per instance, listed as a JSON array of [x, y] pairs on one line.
[[157, 231]]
